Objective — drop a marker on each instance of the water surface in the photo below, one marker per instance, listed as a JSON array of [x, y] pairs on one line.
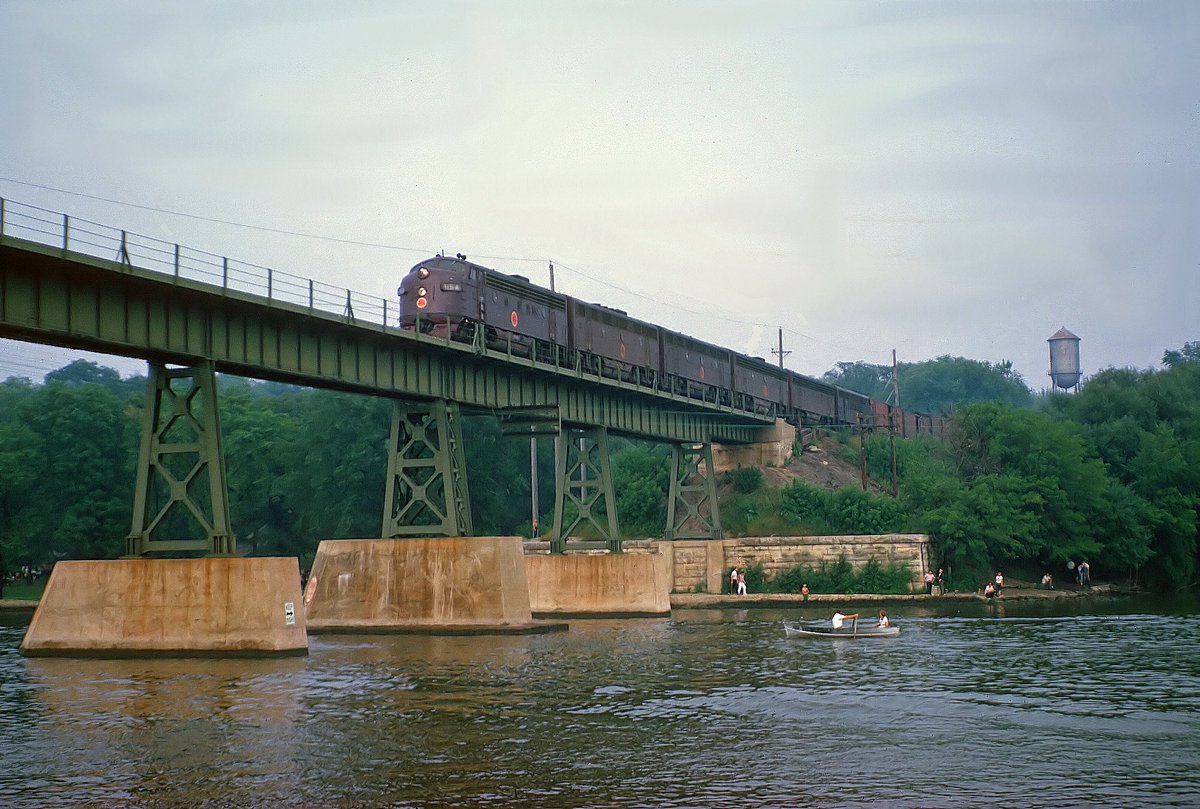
[[1020, 705]]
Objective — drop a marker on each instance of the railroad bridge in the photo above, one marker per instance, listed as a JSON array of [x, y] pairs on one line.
[[191, 314]]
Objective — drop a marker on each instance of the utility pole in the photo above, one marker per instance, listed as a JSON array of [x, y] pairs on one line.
[[892, 441], [780, 350], [862, 452], [895, 378]]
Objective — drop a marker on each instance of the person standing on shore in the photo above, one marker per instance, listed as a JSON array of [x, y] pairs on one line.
[[929, 582], [804, 591], [741, 583], [999, 583], [733, 574], [941, 582], [1085, 574]]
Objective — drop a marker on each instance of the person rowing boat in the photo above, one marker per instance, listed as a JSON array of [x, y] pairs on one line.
[[838, 619]]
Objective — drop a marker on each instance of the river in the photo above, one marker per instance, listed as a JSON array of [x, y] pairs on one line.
[[1083, 703]]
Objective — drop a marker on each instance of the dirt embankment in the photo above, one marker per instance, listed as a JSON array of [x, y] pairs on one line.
[[822, 466]]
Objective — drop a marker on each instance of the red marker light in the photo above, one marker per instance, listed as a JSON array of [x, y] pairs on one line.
[[422, 303]]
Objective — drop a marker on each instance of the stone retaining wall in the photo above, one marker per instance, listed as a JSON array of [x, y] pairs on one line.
[[703, 565]]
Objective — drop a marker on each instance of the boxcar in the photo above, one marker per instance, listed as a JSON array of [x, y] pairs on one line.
[[695, 367]]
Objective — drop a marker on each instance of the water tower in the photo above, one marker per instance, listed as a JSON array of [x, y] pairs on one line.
[[1064, 359]]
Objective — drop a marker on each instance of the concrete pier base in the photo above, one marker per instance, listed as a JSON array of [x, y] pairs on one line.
[[428, 585], [223, 607], [599, 585]]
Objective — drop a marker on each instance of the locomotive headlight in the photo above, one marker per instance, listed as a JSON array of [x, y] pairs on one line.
[[423, 273], [422, 292], [452, 287]]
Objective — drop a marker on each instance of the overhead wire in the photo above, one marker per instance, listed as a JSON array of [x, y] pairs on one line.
[[658, 301]]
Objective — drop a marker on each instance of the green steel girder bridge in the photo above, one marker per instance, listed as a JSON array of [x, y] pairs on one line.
[[190, 314]]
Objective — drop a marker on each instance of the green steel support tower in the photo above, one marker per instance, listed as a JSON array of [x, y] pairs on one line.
[[693, 485], [584, 479], [181, 467], [427, 493]]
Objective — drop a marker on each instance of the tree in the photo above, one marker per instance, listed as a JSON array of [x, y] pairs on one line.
[[1190, 352]]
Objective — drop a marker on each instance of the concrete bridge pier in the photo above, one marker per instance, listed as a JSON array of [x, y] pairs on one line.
[[217, 606], [772, 446], [424, 585], [600, 585]]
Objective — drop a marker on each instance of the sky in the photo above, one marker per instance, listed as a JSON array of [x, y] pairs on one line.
[[930, 177]]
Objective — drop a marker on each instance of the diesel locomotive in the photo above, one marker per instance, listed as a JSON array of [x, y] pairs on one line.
[[456, 299]]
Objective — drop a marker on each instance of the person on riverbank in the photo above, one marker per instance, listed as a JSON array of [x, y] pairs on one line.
[[940, 582], [741, 583], [989, 591], [804, 591], [999, 583], [883, 621], [733, 581], [929, 582], [1047, 582], [1085, 574]]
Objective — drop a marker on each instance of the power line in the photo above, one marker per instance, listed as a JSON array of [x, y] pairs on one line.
[[382, 246]]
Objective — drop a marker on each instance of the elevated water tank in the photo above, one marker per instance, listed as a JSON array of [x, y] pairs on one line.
[[1064, 359]]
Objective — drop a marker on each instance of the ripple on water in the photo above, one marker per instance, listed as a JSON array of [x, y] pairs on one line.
[[718, 709]]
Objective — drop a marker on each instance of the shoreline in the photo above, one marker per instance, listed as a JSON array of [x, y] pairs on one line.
[[706, 600]]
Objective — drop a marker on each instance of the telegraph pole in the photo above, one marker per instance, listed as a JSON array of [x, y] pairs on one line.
[[895, 378], [892, 441], [862, 452], [780, 350], [892, 421]]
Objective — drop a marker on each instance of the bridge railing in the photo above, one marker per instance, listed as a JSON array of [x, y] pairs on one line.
[[82, 236]]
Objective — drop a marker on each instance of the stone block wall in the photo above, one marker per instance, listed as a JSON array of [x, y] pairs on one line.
[[702, 565]]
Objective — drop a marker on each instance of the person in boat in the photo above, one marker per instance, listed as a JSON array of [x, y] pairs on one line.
[[838, 619], [883, 621]]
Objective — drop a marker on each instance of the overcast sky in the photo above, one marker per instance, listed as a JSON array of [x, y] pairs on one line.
[[957, 178]]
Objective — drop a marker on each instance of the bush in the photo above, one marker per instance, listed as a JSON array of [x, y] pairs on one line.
[[745, 479], [841, 577]]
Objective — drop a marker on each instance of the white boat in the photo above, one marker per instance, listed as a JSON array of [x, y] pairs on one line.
[[849, 629]]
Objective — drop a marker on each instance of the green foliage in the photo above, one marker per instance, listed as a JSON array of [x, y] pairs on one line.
[[935, 386], [756, 579], [844, 511], [642, 479], [1111, 474], [745, 479], [841, 577], [1189, 353]]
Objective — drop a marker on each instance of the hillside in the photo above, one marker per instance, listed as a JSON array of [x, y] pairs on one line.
[[821, 466]]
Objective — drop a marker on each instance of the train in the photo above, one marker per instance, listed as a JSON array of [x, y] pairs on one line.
[[455, 299]]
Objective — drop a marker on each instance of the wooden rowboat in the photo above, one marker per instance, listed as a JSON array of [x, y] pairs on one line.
[[825, 629]]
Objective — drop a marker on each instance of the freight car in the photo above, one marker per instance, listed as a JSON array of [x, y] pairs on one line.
[[456, 299]]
